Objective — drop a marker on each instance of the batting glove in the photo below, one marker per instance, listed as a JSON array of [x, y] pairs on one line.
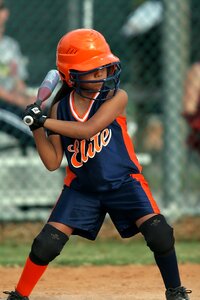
[[35, 111]]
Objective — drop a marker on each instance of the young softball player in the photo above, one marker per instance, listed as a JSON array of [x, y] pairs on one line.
[[87, 123]]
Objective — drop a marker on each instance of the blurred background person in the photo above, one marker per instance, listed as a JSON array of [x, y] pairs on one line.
[[143, 18], [191, 106], [13, 71], [14, 95], [142, 27]]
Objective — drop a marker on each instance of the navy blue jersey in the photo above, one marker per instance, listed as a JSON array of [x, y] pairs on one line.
[[103, 162]]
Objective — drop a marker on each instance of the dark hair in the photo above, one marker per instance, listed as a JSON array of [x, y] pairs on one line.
[[62, 92]]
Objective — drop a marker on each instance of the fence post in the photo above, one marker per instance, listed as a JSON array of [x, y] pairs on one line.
[[88, 13], [175, 61], [73, 15]]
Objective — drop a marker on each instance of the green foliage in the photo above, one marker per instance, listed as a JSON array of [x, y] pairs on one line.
[[102, 252]]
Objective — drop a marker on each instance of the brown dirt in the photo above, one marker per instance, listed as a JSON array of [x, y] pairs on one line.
[[108, 282]]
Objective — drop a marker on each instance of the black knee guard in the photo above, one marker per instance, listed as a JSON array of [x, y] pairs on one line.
[[47, 245], [158, 235]]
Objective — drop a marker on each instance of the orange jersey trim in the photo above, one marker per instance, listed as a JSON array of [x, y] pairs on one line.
[[69, 177], [121, 120], [74, 111], [145, 186]]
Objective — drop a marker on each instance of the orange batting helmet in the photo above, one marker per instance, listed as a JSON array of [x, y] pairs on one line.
[[84, 50]]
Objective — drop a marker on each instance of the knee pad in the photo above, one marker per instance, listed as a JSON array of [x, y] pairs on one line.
[[158, 235], [47, 245]]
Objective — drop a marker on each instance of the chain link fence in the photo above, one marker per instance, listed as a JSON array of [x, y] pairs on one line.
[[158, 43]]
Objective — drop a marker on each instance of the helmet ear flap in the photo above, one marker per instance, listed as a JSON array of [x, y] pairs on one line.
[[69, 81], [62, 75]]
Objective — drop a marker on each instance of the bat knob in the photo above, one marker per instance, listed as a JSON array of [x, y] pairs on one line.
[[28, 120]]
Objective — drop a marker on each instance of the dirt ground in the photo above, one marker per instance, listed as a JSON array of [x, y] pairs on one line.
[[107, 282]]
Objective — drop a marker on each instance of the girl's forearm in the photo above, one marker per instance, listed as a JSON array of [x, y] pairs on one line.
[[71, 129]]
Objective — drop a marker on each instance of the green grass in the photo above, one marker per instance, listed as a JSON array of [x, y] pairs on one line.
[[101, 252]]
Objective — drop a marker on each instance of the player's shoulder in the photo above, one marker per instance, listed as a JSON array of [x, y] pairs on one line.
[[119, 101], [122, 92], [122, 95]]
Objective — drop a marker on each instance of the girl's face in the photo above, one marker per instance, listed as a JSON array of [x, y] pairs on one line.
[[93, 76], [88, 84]]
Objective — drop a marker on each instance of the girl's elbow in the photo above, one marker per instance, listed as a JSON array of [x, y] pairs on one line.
[[86, 134], [51, 167]]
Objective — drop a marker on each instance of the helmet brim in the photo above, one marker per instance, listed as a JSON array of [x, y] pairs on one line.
[[96, 62]]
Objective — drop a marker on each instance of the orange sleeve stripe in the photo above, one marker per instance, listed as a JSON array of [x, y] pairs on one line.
[[144, 184], [121, 120], [69, 177]]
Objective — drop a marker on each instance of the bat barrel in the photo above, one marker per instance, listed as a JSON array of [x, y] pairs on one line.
[[44, 92]]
